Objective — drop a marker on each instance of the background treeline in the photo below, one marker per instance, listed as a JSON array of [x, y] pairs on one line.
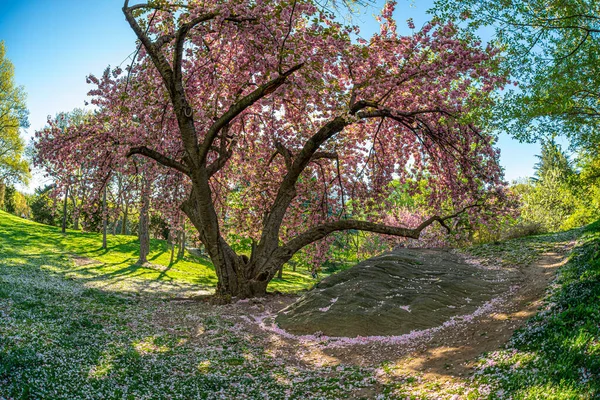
[[563, 193]]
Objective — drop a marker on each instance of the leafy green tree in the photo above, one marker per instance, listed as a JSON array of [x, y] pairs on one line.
[[549, 201], [13, 116], [553, 51]]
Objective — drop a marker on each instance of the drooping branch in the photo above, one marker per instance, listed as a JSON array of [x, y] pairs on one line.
[[160, 158]]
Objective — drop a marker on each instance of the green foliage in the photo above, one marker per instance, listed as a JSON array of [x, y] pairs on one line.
[[9, 199], [553, 52], [552, 158], [13, 115], [560, 197], [549, 201]]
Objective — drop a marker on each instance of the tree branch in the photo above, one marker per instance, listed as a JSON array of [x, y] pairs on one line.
[[160, 158]]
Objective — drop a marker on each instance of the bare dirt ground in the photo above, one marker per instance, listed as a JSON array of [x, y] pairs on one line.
[[443, 355]]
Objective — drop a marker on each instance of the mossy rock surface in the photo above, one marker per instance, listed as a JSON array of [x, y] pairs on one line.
[[395, 293]]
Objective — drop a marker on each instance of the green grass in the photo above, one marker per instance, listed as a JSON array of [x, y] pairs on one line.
[[557, 355], [116, 266]]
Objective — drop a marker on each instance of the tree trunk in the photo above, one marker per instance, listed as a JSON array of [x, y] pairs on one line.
[[124, 226], [144, 227], [171, 242], [238, 276], [64, 217], [2, 192], [104, 219], [280, 273], [75, 212]]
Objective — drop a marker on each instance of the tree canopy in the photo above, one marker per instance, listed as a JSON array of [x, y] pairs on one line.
[[553, 51], [266, 120]]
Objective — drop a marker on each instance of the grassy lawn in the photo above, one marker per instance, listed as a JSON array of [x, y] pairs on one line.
[[103, 331], [115, 268], [62, 339]]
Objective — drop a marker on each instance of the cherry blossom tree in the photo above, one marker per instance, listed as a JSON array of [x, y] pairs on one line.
[[267, 118]]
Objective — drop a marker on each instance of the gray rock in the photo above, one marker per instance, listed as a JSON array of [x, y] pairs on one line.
[[395, 293]]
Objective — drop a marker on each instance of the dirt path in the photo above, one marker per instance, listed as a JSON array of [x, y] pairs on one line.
[[444, 355]]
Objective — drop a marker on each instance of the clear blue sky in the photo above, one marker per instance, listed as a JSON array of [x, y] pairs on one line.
[[55, 44]]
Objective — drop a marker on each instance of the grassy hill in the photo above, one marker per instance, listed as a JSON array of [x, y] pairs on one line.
[[24, 241]]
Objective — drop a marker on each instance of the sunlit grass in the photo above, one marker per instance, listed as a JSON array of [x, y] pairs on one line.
[[117, 263]]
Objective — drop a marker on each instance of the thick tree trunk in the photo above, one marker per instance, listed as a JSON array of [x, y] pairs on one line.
[[238, 276], [64, 217], [144, 227]]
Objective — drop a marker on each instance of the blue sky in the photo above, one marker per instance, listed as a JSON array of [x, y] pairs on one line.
[[55, 44]]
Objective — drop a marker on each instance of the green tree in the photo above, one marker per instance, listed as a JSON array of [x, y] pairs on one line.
[[42, 206], [553, 157], [9, 199], [13, 116], [553, 51]]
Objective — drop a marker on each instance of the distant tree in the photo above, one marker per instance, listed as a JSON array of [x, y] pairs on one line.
[[549, 201], [553, 157], [42, 206], [9, 199], [13, 116]]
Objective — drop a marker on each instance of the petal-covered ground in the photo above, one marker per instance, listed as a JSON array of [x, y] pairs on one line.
[[63, 335]]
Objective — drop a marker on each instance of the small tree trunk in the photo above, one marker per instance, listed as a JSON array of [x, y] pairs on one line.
[[181, 252], [280, 273], [2, 192], [171, 241], [75, 212], [144, 227], [64, 217], [104, 219]]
